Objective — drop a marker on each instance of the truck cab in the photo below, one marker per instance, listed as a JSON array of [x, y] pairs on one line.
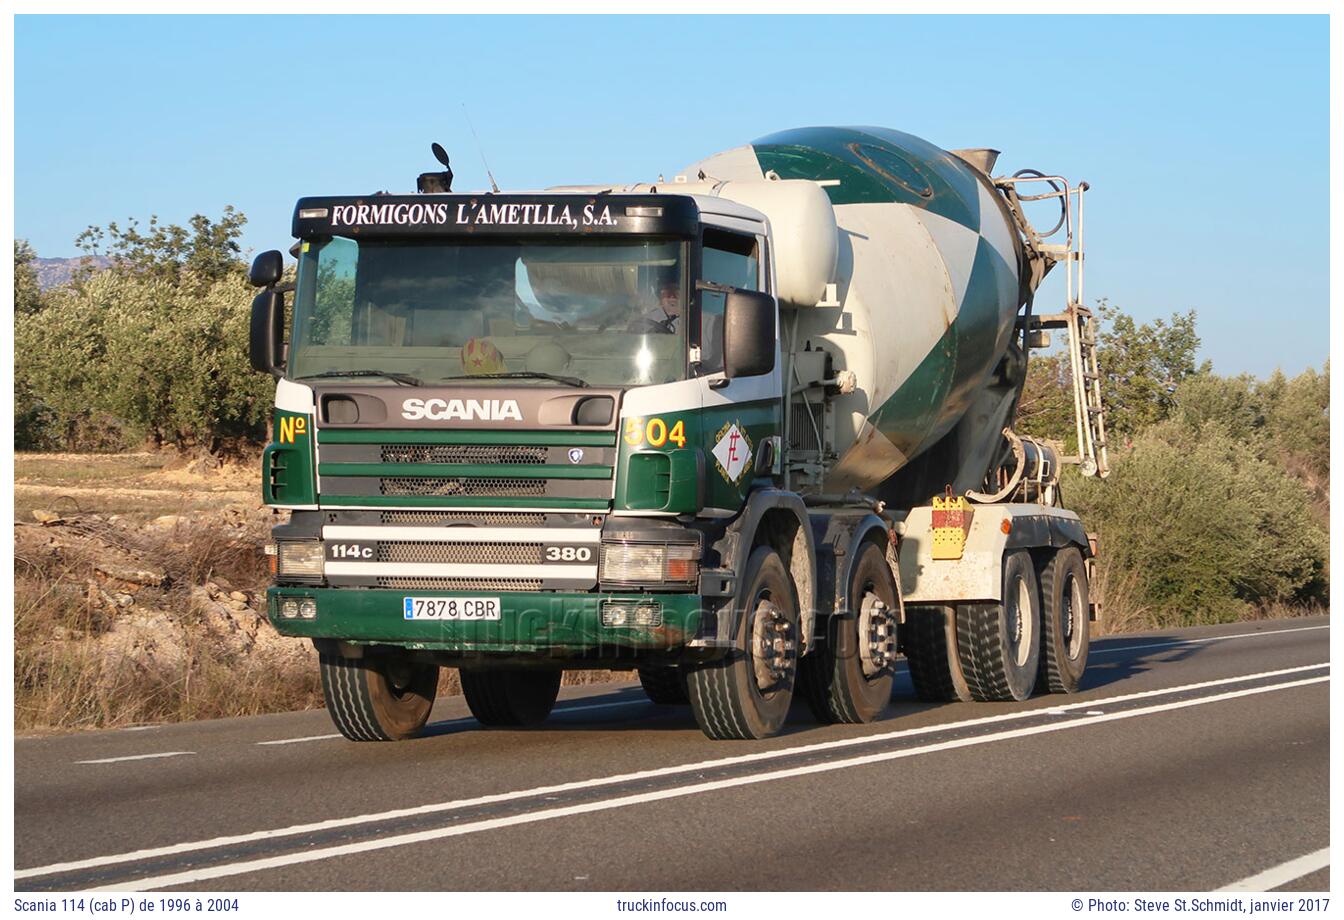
[[512, 431]]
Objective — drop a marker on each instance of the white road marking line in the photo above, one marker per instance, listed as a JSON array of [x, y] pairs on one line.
[[1283, 874], [653, 773], [298, 740], [138, 757], [473, 827], [1202, 639], [140, 728]]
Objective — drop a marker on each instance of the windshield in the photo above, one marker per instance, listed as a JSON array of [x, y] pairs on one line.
[[604, 311]]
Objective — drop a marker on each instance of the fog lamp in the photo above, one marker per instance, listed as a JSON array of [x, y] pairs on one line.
[[632, 613]]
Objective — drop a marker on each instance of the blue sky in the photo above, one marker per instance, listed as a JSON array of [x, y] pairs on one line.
[[1205, 139]]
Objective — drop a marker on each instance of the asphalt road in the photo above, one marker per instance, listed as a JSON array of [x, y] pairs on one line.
[[1192, 760]]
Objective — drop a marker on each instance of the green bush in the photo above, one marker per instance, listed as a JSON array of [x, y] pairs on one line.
[[153, 347], [167, 357], [1203, 525]]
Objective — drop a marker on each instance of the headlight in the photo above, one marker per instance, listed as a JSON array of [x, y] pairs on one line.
[[649, 563], [299, 559]]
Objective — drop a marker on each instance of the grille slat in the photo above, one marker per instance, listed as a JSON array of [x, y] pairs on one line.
[[500, 486], [464, 584], [473, 553], [481, 518], [463, 453]]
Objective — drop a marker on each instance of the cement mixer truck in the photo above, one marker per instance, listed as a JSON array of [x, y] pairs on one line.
[[747, 431]]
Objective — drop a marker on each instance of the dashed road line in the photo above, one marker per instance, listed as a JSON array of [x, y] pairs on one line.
[[139, 757]]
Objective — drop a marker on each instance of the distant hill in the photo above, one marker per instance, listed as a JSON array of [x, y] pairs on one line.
[[52, 272]]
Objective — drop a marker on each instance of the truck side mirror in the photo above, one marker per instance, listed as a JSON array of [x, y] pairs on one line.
[[267, 334], [748, 334], [266, 268]]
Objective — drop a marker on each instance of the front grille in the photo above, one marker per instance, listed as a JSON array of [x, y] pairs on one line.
[[473, 553], [504, 486], [430, 583], [462, 453], [479, 518]]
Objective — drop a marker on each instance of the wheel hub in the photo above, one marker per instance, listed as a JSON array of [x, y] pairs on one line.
[[773, 646], [877, 635]]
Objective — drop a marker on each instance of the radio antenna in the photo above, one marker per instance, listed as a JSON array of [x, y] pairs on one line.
[[480, 149]]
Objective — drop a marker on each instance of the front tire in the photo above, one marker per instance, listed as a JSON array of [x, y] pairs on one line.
[[510, 697], [1065, 635], [382, 698], [664, 685], [1000, 643], [848, 679], [746, 694]]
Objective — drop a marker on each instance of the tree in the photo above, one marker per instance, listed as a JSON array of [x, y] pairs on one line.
[[1204, 526], [205, 253], [1298, 417], [1143, 365], [158, 341], [1236, 403], [1045, 409], [27, 293]]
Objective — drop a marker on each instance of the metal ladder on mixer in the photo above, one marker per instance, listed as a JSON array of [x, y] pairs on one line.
[[1077, 320]]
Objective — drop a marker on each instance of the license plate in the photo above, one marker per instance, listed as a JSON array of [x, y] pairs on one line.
[[450, 608]]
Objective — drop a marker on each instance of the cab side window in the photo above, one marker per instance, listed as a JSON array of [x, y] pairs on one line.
[[730, 259]]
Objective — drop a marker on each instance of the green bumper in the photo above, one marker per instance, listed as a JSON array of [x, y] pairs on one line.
[[556, 624]]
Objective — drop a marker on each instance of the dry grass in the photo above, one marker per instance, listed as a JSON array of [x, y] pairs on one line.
[[119, 625]]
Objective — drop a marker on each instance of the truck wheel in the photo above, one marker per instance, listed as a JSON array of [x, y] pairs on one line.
[[849, 678], [1064, 619], [746, 694], [664, 685], [510, 697], [382, 698], [1000, 644], [929, 637]]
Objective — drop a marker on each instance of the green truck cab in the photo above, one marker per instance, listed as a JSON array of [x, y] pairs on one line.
[[513, 434]]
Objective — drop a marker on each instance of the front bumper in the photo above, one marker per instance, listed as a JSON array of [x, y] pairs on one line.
[[530, 623]]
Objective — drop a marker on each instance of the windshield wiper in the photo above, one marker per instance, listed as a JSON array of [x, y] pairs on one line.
[[540, 375], [405, 380]]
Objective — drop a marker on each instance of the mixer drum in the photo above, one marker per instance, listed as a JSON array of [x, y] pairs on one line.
[[927, 272]]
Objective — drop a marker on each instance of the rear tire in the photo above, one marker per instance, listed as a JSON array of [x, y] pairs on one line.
[[664, 685], [929, 636], [1000, 643], [746, 694], [383, 698], [1065, 632], [848, 680], [510, 697]]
